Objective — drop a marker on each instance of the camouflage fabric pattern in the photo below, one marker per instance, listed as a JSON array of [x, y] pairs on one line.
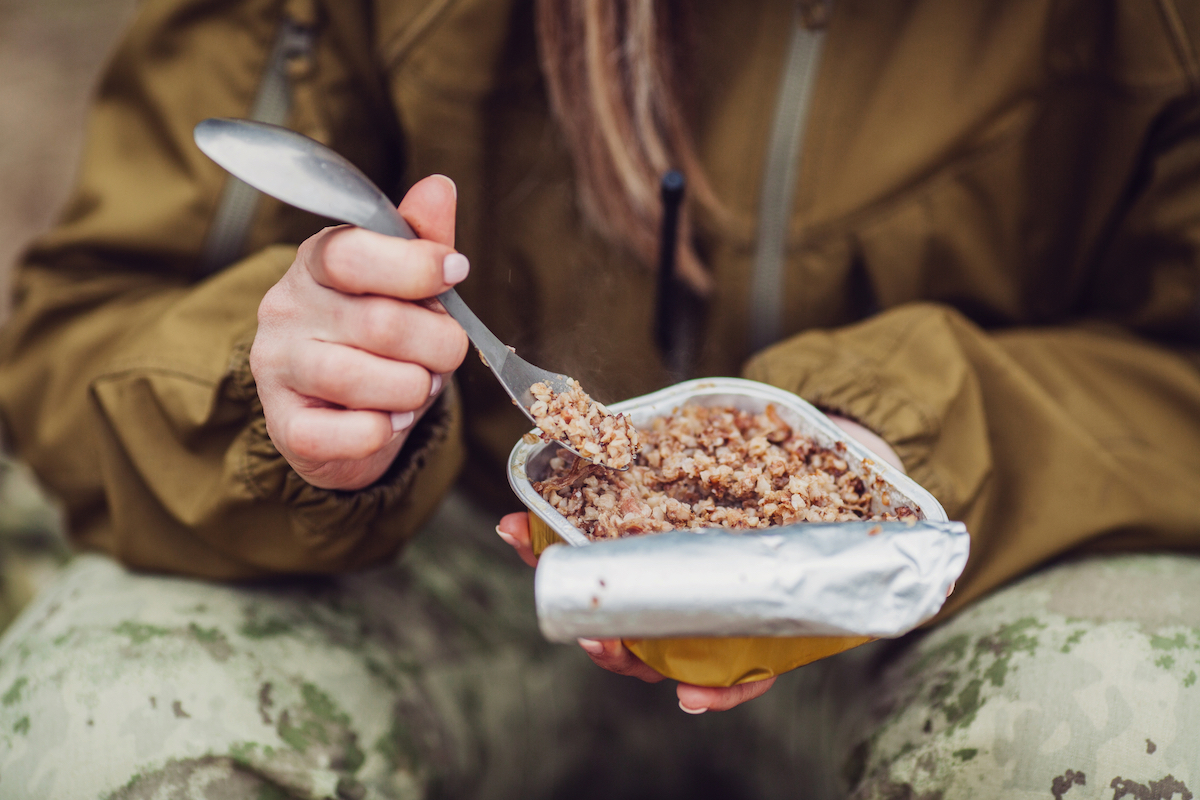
[[424, 679], [122, 686], [1077, 682], [428, 679]]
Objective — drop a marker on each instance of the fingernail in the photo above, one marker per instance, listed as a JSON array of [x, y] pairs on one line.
[[592, 646], [435, 385], [507, 538], [401, 420], [453, 185], [455, 267], [687, 710]]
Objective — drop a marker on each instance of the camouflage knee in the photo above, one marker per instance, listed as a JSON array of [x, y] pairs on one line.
[[1078, 681], [118, 684]]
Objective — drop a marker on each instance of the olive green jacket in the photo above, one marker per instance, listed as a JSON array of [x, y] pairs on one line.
[[993, 260]]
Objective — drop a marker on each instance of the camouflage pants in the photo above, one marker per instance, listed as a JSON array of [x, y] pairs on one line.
[[428, 679]]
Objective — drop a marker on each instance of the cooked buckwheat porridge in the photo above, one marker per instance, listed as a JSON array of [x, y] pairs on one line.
[[708, 467], [607, 439]]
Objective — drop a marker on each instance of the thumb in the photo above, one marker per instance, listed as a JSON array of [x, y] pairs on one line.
[[429, 208]]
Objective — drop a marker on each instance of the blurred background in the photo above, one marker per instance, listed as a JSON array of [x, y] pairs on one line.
[[51, 53]]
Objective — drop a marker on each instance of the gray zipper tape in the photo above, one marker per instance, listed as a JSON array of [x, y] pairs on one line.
[[227, 237], [779, 183]]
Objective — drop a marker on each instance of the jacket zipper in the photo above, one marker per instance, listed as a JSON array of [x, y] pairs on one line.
[[230, 229], [778, 189]]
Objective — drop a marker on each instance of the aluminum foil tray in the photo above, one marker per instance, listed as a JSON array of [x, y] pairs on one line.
[[790, 595], [531, 462]]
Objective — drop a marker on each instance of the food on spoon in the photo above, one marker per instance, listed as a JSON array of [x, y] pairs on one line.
[[706, 467], [606, 439]]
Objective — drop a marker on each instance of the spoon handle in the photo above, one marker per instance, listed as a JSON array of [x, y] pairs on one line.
[[494, 351]]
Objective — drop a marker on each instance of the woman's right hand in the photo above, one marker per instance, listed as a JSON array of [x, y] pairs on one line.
[[347, 356]]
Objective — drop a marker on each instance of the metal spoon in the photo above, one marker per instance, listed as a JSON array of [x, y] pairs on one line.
[[305, 173]]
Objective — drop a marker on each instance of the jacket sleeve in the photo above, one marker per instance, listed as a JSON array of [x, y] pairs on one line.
[[123, 372], [1050, 439]]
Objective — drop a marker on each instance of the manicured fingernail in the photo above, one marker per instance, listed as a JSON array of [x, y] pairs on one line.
[[687, 710], [401, 420], [435, 385], [507, 538], [592, 646], [453, 185], [455, 267]]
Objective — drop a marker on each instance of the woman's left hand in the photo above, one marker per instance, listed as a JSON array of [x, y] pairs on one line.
[[613, 656]]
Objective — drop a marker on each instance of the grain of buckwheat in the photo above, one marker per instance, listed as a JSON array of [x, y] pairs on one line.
[[607, 439], [713, 467]]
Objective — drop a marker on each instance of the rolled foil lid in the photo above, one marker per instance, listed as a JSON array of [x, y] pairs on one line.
[[878, 579]]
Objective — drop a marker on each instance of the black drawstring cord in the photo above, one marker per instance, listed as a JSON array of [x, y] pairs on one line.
[[667, 328]]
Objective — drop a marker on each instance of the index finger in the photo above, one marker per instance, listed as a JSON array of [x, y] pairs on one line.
[[357, 262], [698, 699], [614, 656]]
